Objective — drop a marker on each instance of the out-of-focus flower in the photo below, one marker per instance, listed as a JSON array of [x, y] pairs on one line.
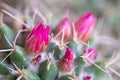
[[64, 24], [66, 63], [38, 40], [87, 78], [84, 26], [91, 53]]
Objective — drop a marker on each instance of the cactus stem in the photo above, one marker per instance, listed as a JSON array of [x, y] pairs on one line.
[[8, 40], [6, 57], [6, 50], [16, 18]]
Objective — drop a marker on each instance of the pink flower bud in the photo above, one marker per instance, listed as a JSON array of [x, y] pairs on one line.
[[87, 78], [64, 24], [66, 63], [38, 40], [91, 53], [84, 26]]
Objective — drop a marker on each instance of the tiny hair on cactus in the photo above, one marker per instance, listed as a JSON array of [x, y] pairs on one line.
[[64, 24], [66, 63], [84, 26], [38, 40]]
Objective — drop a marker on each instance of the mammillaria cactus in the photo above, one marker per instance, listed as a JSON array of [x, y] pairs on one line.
[[62, 53]]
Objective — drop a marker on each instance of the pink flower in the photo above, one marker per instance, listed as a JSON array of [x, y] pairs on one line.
[[64, 24], [66, 63], [37, 41], [91, 53], [87, 78], [84, 26]]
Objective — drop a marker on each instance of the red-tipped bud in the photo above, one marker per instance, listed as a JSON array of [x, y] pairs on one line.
[[87, 78], [64, 24], [91, 53], [66, 63], [38, 39], [84, 26]]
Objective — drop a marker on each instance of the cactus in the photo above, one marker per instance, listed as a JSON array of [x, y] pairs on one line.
[[65, 55]]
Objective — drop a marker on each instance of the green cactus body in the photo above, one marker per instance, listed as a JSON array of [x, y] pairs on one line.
[[59, 53], [9, 33], [19, 57], [51, 47], [48, 74], [29, 75], [96, 71], [72, 44], [79, 65], [3, 65]]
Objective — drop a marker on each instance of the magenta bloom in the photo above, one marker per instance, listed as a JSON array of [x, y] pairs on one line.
[[85, 25], [38, 40], [66, 63], [87, 78], [67, 31], [92, 53]]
